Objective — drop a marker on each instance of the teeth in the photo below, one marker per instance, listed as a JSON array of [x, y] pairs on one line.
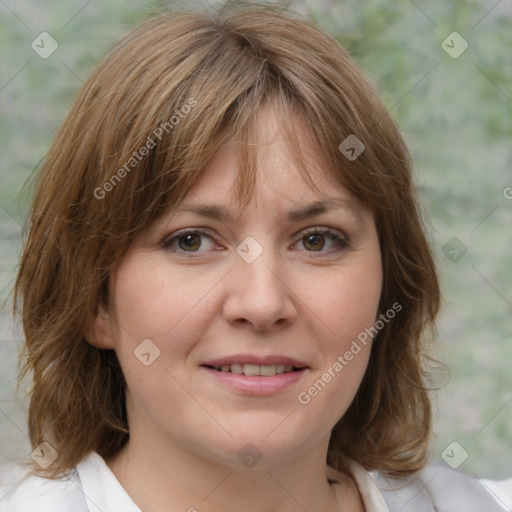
[[237, 368], [268, 371], [254, 369]]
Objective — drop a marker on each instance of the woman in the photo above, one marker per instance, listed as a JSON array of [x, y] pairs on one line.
[[226, 287]]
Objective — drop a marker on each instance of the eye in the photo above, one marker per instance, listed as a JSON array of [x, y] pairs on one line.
[[314, 240], [188, 241]]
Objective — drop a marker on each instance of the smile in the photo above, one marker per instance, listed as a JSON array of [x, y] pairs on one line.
[[251, 379], [254, 369]]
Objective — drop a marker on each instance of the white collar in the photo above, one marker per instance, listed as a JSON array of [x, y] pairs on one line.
[[104, 493], [372, 498]]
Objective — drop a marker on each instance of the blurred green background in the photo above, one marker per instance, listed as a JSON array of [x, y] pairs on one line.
[[455, 114]]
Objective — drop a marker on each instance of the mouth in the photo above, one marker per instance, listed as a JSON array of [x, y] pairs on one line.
[[254, 374], [255, 369]]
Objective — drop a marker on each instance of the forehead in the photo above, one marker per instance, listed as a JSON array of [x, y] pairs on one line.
[[278, 165]]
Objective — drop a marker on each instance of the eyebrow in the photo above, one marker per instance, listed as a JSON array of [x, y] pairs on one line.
[[221, 213]]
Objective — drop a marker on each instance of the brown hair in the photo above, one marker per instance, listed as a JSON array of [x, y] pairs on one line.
[[97, 189]]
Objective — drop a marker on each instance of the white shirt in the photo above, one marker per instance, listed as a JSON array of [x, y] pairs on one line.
[[94, 488]]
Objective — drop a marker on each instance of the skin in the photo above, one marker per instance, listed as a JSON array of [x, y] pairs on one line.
[[307, 300]]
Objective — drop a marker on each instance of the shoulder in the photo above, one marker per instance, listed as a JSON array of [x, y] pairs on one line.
[[90, 486], [22, 493], [437, 488]]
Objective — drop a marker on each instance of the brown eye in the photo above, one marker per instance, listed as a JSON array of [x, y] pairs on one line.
[[315, 240], [189, 241], [195, 242]]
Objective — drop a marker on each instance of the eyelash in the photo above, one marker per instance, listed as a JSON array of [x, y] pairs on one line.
[[342, 242]]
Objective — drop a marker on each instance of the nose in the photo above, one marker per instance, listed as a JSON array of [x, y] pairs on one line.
[[260, 293]]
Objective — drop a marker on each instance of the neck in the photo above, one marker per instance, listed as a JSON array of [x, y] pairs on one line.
[[193, 483]]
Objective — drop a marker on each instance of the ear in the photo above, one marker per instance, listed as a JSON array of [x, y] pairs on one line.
[[99, 332]]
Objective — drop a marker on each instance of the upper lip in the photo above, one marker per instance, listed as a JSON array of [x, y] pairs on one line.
[[254, 359]]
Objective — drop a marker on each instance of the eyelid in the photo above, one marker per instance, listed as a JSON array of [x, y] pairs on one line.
[[338, 236], [169, 239]]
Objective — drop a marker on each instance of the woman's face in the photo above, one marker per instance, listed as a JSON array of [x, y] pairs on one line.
[[255, 293]]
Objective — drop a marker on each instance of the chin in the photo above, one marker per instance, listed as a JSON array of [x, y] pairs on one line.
[[258, 448]]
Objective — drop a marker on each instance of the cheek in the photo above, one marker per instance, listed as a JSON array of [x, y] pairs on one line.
[[138, 305], [150, 301], [360, 295], [347, 303], [332, 387], [146, 301]]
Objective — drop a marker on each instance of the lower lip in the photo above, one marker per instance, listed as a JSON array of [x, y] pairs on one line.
[[256, 385]]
